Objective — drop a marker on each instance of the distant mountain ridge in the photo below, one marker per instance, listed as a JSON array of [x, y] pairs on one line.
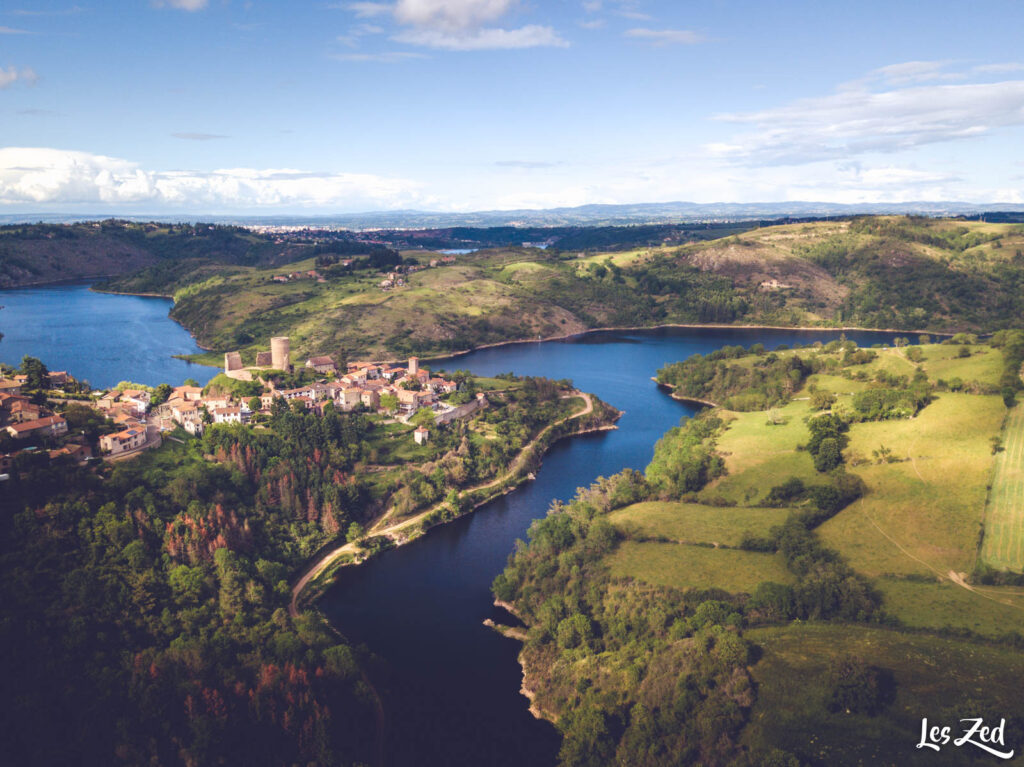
[[583, 215]]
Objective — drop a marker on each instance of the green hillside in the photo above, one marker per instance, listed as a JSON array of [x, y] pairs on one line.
[[882, 272]]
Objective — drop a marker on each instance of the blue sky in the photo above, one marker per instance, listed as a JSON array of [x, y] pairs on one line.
[[223, 106]]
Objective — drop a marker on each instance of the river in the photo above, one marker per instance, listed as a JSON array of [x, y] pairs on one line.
[[98, 337], [453, 684]]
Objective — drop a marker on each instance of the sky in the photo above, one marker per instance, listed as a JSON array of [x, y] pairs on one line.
[[266, 106]]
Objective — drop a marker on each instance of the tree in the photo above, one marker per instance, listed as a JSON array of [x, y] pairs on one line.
[[161, 394], [1009, 396], [254, 404], [853, 687], [423, 417], [36, 373], [829, 455], [822, 400], [355, 532], [389, 402]]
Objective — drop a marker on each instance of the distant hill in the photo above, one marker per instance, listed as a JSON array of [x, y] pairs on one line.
[[936, 275], [35, 254], [584, 215]]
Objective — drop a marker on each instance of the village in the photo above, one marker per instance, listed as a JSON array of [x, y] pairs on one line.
[[136, 418]]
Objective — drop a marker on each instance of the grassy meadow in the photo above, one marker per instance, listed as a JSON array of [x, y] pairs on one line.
[[695, 523], [683, 566], [927, 676], [1003, 547]]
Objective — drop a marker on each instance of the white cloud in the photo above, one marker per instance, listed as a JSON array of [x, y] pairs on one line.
[[12, 31], [912, 72], [1007, 66], [454, 25], [857, 120], [368, 10], [666, 36], [11, 75], [531, 36], [450, 15], [183, 5], [61, 177]]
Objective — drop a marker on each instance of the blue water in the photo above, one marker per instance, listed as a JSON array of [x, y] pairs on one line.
[[453, 687], [97, 337]]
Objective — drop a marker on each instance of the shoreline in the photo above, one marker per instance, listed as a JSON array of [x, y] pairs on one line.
[[567, 336], [691, 326], [328, 564], [681, 398]]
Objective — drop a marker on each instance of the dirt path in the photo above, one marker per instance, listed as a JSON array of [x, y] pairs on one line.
[[392, 530]]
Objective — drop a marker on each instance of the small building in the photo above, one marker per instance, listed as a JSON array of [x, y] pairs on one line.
[[51, 426], [188, 393], [138, 400], [230, 415], [370, 398], [322, 364], [421, 435], [10, 387], [58, 377], [123, 441]]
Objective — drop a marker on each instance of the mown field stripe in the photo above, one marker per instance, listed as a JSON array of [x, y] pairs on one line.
[[1004, 530]]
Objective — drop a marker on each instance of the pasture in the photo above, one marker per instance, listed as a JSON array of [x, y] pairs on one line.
[[683, 566], [1003, 545], [694, 522]]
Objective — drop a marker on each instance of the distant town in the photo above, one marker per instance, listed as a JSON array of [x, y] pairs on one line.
[[36, 405]]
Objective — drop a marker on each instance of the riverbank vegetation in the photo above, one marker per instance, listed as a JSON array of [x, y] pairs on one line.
[[876, 272], [773, 588], [145, 603]]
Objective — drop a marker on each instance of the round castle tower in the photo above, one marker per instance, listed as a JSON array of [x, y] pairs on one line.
[[280, 350]]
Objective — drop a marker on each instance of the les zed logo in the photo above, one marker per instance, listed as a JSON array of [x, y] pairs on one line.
[[975, 734]]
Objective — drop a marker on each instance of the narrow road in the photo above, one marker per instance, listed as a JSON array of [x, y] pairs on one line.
[[321, 564]]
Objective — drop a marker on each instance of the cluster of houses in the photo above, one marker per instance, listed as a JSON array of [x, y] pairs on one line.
[[394, 279], [312, 274], [363, 385], [21, 418], [127, 409]]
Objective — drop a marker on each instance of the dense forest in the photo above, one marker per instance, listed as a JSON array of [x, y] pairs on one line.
[[144, 607], [146, 602]]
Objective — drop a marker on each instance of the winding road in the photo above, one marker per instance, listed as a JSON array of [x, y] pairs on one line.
[[394, 530]]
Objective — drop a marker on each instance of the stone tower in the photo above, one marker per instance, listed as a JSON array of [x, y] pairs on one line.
[[280, 353], [414, 365], [232, 361]]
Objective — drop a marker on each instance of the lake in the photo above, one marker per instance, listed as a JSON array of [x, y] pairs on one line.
[[453, 685], [99, 337]]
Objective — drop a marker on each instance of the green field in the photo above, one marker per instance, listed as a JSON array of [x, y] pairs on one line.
[[699, 567], [923, 514], [987, 611], [935, 677], [1003, 546], [758, 456], [696, 523]]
